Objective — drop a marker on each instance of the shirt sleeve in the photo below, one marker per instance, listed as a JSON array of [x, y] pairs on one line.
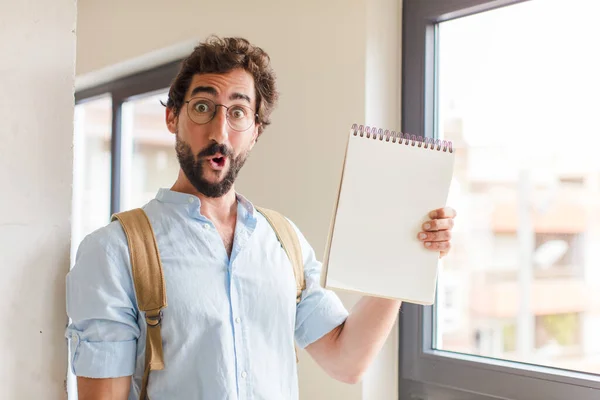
[[320, 310], [101, 305]]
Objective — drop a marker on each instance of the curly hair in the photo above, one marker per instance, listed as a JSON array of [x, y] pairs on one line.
[[221, 55]]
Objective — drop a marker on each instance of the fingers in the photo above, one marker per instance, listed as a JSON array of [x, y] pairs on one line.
[[444, 247], [437, 233], [440, 213], [438, 224], [441, 236]]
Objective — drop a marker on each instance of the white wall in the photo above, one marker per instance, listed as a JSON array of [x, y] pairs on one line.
[[337, 63], [37, 44]]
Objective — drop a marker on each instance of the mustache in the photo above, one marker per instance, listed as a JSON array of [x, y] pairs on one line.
[[215, 148]]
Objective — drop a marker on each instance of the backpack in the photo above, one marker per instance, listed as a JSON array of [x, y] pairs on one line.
[[149, 280]]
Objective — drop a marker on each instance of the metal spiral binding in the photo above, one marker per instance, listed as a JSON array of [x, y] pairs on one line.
[[401, 138]]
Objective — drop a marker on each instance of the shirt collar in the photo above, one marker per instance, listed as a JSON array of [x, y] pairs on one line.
[[169, 196]]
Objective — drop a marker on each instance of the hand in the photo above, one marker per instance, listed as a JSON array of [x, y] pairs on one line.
[[437, 232]]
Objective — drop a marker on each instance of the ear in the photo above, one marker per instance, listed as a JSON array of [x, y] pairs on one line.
[[171, 119], [254, 136]]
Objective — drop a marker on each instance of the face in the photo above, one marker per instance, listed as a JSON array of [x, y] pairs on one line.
[[212, 154]]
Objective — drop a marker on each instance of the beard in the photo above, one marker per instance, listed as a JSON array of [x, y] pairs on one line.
[[193, 167]]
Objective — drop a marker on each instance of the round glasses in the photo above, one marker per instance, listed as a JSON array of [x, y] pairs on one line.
[[239, 117]]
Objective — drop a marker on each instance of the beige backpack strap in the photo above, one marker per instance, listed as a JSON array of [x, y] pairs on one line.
[[289, 241], [149, 284]]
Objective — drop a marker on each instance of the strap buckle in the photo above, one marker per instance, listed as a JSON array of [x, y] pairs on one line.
[[154, 320]]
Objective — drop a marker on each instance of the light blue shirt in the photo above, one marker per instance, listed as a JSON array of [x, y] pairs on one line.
[[229, 327]]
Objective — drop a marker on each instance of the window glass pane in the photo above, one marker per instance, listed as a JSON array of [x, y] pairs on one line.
[[149, 161], [91, 170], [518, 96]]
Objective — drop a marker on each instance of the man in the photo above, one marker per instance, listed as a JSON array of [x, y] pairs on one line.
[[232, 318]]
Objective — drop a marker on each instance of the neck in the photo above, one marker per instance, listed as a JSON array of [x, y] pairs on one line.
[[218, 209]]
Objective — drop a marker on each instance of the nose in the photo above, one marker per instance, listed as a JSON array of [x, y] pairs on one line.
[[218, 126]]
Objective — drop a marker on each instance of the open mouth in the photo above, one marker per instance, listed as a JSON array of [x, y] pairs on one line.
[[217, 162]]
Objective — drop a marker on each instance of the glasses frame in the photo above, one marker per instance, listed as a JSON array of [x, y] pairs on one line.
[[226, 113]]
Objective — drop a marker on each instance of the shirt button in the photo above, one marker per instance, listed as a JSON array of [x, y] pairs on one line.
[[206, 226], [244, 374], [191, 200], [237, 320]]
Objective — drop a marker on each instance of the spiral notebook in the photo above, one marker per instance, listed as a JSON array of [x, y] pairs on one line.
[[389, 183]]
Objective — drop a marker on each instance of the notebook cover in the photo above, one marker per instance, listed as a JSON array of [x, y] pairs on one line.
[[385, 194]]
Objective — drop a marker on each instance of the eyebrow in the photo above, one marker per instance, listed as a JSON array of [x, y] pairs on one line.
[[213, 92]]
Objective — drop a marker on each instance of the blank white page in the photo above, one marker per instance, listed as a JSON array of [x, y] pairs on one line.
[[386, 194]]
